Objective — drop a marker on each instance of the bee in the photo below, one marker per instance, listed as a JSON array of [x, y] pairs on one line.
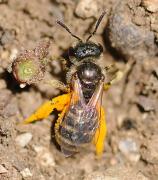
[[81, 120]]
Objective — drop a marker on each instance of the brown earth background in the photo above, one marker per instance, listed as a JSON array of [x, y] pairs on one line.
[[129, 34]]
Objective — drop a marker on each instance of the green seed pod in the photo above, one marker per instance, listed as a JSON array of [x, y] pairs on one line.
[[29, 66]]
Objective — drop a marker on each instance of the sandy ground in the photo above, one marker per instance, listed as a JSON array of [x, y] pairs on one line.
[[129, 34]]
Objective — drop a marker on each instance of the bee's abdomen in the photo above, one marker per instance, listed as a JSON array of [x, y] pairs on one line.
[[77, 128]]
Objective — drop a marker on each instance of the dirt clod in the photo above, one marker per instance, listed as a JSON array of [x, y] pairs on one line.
[[146, 103], [2, 169], [26, 173], [130, 149], [129, 31], [84, 10], [118, 173], [23, 139], [151, 5], [150, 149]]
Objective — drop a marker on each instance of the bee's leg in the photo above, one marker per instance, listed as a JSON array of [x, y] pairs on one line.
[[57, 124], [113, 75], [61, 60], [42, 112], [107, 86], [58, 84], [100, 134]]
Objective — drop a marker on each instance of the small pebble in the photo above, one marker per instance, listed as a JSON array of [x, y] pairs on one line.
[[44, 156], [22, 85], [129, 148], [26, 173], [2, 170], [47, 159], [151, 5], [146, 103], [14, 53], [38, 149], [113, 161], [150, 151], [87, 8], [23, 139], [3, 84]]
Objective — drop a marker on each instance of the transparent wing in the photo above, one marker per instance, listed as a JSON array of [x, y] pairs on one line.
[[81, 121], [96, 101]]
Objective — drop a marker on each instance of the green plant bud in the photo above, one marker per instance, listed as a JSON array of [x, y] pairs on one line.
[[26, 70], [29, 67]]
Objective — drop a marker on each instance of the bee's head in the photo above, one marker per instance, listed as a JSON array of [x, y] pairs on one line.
[[86, 49]]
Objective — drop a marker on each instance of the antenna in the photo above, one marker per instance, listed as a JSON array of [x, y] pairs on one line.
[[96, 26], [67, 29]]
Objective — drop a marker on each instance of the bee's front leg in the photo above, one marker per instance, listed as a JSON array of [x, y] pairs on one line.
[[58, 85], [107, 86], [100, 134], [113, 75], [44, 111]]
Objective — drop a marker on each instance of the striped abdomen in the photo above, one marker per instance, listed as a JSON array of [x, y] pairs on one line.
[[77, 129]]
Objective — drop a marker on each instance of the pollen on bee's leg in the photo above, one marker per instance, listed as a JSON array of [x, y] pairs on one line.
[[41, 113], [48, 107], [107, 86], [100, 134]]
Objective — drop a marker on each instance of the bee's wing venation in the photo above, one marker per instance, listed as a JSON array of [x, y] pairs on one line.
[[96, 101], [77, 93]]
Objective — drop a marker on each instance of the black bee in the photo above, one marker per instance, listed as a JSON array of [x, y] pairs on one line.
[[85, 56], [82, 118]]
